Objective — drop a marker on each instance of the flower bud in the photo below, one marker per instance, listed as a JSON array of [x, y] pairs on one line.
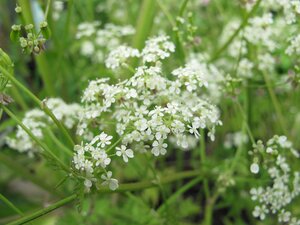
[[45, 29], [15, 33], [29, 27], [18, 9]]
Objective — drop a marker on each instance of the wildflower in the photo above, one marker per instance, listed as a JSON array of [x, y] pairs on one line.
[[159, 148], [108, 180], [119, 56], [102, 140], [124, 152], [254, 168], [283, 186]]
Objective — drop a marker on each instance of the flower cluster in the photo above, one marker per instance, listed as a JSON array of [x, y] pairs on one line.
[[144, 110], [120, 55], [34, 39], [273, 161], [266, 44], [97, 42], [290, 8], [36, 121]]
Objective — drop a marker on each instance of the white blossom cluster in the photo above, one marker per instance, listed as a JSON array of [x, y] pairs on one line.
[[290, 8], [263, 32], [97, 42], [294, 46], [120, 55], [36, 121], [144, 110], [273, 161], [211, 76]]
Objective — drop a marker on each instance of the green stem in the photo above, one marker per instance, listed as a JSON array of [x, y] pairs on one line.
[[167, 13], [44, 147], [178, 193], [233, 36], [203, 160], [246, 124], [44, 211], [10, 205], [276, 104], [123, 188], [39, 103], [183, 7], [209, 209], [59, 143], [144, 25], [19, 99], [47, 9]]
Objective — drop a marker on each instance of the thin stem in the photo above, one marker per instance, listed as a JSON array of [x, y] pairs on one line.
[[209, 209], [143, 26], [47, 9], [233, 36], [183, 7], [59, 143], [10, 205], [246, 124], [39, 103], [123, 188], [33, 137], [167, 13], [276, 104], [179, 192], [44, 211], [203, 160]]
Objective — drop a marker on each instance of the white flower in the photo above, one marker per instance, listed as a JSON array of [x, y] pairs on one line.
[[120, 55], [87, 48], [102, 140], [112, 183], [126, 153], [260, 212], [157, 48], [159, 147], [88, 184], [254, 168]]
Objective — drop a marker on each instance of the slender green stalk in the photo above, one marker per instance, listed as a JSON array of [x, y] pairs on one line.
[[233, 36], [42, 145], [209, 209], [10, 205], [123, 188], [47, 9], [144, 23], [143, 26], [179, 192], [276, 104], [59, 143], [166, 12], [175, 24], [39, 103], [44, 211], [183, 7], [246, 124], [19, 98], [203, 160]]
